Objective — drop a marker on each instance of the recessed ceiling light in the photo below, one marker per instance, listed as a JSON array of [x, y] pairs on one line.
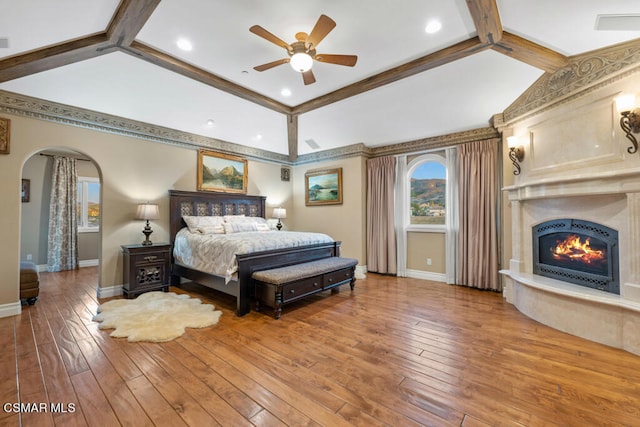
[[285, 92], [433, 27], [210, 122], [184, 44], [258, 137]]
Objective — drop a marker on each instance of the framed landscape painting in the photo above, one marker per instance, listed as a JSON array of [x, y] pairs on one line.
[[221, 172], [323, 187]]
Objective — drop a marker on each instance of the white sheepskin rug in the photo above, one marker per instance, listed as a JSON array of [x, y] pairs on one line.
[[155, 316]]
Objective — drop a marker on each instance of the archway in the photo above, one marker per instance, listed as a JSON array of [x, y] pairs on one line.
[[36, 175]]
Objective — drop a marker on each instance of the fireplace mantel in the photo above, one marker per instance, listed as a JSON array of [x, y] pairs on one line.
[[611, 182]]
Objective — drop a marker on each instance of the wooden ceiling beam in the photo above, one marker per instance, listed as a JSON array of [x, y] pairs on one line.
[[427, 62], [185, 69], [486, 20], [54, 56], [129, 20], [531, 53], [292, 134]]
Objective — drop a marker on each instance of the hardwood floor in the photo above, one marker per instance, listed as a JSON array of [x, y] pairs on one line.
[[396, 352]]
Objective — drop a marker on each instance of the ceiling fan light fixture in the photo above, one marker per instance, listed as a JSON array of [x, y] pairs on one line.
[[301, 62]]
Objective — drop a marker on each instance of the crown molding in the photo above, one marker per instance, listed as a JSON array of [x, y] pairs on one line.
[[335, 153], [584, 74], [436, 142], [21, 105]]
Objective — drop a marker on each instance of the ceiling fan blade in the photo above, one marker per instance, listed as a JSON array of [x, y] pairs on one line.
[[346, 60], [308, 77], [259, 31], [320, 31], [268, 65]]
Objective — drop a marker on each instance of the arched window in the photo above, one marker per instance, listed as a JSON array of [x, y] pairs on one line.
[[427, 181]]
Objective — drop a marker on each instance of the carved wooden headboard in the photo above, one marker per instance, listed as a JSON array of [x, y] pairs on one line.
[[198, 203]]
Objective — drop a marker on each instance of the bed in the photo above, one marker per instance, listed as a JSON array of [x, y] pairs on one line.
[[192, 203]]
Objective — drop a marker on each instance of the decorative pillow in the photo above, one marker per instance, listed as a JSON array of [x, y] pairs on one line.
[[211, 229], [235, 218], [193, 222], [239, 227], [262, 226]]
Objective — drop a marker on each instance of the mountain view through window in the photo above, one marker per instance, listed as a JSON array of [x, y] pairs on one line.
[[428, 194]]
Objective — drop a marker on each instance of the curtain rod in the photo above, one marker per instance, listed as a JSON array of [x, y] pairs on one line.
[[77, 158]]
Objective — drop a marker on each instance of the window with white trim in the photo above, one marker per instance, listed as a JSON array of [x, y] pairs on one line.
[[88, 204], [427, 181]]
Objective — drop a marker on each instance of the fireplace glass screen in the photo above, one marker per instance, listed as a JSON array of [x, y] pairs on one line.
[[576, 251]]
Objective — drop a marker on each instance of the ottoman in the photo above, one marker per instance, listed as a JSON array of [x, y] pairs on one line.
[[29, 282]]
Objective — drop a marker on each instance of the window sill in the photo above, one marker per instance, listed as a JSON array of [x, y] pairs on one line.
[[426, 229]]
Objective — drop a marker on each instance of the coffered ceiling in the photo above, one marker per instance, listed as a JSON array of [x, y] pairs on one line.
[[121, 58]]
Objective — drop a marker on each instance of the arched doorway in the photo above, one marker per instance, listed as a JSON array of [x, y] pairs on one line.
[[36, 176]]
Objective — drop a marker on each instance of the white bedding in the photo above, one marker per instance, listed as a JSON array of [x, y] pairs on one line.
[[216, 253]]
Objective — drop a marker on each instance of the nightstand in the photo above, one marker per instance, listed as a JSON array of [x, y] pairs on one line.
[[145, 268]]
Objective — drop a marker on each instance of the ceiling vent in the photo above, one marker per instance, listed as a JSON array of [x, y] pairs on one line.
[[618, 22], [311, 143], [4, 42]]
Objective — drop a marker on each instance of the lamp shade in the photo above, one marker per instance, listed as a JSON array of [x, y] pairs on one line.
[[625, 102], [279, 213], [147, 211], [512, 141]]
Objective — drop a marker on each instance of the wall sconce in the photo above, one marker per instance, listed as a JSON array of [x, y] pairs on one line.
[[279, 213], [516, 153], [630, 120], [147, 211]]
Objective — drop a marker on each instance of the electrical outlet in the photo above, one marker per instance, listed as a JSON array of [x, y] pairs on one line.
[[29, 257], [429, 261]]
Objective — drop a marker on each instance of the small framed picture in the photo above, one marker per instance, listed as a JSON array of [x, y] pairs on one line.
[[285, 174], [26, 190], [5, 135]]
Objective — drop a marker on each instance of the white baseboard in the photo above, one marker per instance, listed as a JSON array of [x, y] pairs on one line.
[[110, 291], [86, 263], [11, 309], [89, 263], [426, 275]]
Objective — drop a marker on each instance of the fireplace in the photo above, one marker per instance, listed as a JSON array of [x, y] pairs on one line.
[[581, 252]]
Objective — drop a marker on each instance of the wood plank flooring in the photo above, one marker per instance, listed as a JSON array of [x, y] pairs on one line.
[[394, 352]]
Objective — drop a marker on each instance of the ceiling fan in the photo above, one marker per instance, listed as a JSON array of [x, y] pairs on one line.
[[302, 52]]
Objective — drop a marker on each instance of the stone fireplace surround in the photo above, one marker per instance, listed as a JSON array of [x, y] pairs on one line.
[[609, 198]]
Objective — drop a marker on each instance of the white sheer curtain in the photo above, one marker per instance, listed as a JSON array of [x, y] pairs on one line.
[[478, 191], [452, 216], [63, 217], [381, 238]]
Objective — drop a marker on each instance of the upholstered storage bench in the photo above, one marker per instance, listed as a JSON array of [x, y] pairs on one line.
[[283, 285], [29, 282]]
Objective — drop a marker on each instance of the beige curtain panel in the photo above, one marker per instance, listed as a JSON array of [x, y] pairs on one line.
[[381, 237], [478, 189], [62, 252]]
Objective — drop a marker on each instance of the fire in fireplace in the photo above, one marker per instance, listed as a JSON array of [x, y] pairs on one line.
[[581, 252]]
